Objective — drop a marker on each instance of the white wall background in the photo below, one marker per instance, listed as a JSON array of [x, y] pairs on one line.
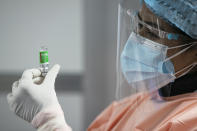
[[26, 25]]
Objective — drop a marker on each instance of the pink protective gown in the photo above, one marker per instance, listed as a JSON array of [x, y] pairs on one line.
[[139, 112]]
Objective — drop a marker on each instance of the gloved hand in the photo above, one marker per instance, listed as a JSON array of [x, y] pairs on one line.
[[33, 98]]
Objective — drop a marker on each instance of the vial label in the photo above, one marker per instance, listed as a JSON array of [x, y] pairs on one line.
[[44, 57]]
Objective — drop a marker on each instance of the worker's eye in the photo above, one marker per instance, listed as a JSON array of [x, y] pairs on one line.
[[151, 34], [140, 26]]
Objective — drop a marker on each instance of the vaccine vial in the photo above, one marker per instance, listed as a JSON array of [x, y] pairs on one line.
[[44, 60]]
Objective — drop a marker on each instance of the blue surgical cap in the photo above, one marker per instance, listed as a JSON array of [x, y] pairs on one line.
[[181, 13]]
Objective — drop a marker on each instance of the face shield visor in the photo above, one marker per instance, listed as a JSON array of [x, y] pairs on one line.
[[150, 52]]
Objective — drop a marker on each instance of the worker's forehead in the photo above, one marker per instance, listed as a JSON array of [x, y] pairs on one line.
[[177, 13], [159, 25]]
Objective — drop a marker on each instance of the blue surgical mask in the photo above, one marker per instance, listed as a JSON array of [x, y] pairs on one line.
[[144, 62]]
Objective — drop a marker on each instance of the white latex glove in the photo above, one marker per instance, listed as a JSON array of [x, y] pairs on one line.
[[33, 98]]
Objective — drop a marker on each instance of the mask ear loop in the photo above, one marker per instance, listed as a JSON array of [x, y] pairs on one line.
[[190, 68], [180, 52]]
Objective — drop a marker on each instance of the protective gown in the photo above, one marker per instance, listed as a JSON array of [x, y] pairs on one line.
[[140, 113]]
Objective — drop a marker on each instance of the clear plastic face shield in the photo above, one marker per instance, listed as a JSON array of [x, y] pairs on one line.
[[151, 53]]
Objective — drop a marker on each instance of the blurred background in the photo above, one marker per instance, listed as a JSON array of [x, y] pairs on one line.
[[80, 36]]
